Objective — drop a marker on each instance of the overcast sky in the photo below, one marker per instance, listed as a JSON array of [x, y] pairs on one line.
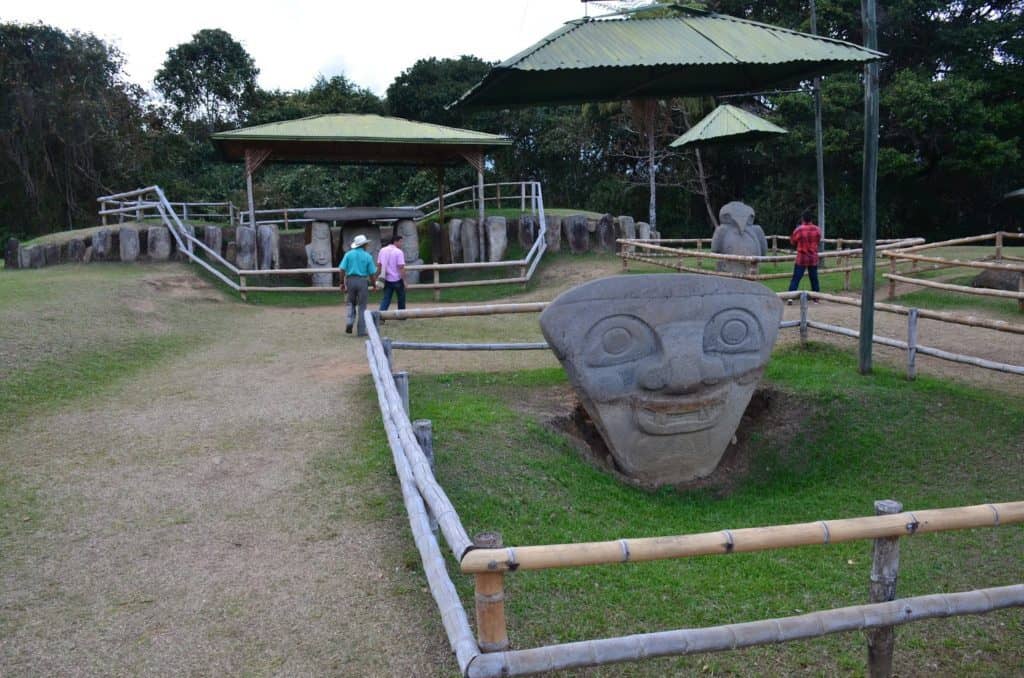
[[293, 41]]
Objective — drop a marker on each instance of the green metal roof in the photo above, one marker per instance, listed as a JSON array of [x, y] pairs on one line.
[[367, 128], [691, 53], [727, 124], [357, 140]]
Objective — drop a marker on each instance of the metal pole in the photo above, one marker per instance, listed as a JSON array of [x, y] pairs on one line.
[[869, 189], [885, 568], [819, 145]]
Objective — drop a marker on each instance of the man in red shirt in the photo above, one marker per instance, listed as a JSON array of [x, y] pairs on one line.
[[806, 239]]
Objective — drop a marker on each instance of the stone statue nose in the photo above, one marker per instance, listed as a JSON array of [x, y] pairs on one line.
[[679, 369]]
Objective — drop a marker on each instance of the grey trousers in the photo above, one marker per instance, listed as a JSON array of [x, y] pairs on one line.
[[356, 296]]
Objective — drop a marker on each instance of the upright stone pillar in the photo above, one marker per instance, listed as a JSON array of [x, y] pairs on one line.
[[643, 230], [245, 248], [497, 238], [578, 234], [318, 253], [11, 253], [76, 250], [606, 233], [269, 255], [213, 237], [528, 228], [158, 243], [553, 234], [51, 255], [101, 244], [470, 241], [128, 240], [455, 239]]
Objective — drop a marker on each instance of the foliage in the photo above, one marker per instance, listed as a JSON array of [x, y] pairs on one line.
[[70, 127], [209, 81]]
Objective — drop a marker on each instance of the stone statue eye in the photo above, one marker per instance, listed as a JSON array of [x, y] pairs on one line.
[[618, 339], [733, 331]]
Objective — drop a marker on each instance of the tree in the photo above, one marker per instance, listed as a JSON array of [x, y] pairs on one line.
[[422, 91], [210, 80], [70, 127]]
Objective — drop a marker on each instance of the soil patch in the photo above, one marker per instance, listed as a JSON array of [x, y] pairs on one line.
[[772, 418], [183, 287]]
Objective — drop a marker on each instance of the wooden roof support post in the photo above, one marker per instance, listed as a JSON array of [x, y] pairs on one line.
[[440, 195], [254, 158], [476, 159]]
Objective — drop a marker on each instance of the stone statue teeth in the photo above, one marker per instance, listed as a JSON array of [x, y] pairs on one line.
[[664, 364]]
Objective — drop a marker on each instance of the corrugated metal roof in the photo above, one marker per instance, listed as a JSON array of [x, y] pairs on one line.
[[728, 124], [356, 128], [691, 53]]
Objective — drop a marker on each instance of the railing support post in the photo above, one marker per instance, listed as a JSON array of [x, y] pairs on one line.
[[999, 245], [885, 567], [386, 344], [492, 634], [803, 317], [423, 429], [241, 288], [437, 282], [912, 344], [892, 283], [402, 384]]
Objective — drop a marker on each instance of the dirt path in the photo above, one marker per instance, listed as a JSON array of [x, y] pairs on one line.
[[195, 522]]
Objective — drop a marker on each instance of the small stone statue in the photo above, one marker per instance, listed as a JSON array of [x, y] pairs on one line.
[[664, 364], [318, 253], [737, 234]]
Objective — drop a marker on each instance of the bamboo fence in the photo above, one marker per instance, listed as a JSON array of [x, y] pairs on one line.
[[488, 561], [1001, 262]]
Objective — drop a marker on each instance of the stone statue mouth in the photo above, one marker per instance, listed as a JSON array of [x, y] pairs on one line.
[[680, 414]]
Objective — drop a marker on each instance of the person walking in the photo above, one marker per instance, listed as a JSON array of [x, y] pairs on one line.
[[392, 267], [806, 238], [358, 274]]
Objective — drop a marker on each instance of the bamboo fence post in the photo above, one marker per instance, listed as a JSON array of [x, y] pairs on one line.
[[892, 282], [423, 429], [241, 288], [491, 631], [803, 317], [103, 217], [912, 344], [885, 567], [522, 196], [753, 270], [999, 245], [402, 384], [437, 281]]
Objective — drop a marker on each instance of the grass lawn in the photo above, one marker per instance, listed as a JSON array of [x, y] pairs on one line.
[[849, 440]]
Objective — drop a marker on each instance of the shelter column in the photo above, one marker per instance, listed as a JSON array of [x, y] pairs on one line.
[[476, 159], [254, 158]]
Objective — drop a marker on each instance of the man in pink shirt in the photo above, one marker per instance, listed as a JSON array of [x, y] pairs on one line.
[[391, 261]]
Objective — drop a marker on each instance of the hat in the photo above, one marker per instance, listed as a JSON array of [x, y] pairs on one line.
[[359, 241]]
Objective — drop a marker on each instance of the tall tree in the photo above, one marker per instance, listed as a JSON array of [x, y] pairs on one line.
[[70, 127], [210, 80]]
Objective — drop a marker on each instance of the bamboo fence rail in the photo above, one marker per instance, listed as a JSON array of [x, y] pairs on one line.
[[963, 289], [734, 636], [743, 540]]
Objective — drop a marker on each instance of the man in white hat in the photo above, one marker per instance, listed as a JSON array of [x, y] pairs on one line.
[[358, 273]]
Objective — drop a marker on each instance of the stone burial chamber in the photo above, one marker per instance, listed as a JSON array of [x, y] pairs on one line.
[[665, 365]]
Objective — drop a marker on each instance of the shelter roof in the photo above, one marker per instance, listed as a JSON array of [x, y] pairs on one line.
[[356, 138], [689, 53], [728, 124]]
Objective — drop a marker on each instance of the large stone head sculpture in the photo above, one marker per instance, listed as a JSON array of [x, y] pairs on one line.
[[736, 214], [664, 364]]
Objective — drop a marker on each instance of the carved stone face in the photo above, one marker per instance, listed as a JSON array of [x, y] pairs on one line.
[[664, 364], [737, 214]]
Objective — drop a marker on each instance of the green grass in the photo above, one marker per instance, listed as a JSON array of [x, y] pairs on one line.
[[927, 443]]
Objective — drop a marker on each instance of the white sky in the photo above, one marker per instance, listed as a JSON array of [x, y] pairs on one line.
[[293, 41]]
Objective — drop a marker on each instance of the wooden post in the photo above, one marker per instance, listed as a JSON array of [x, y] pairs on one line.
[[252, 203], [386, 345], [440, 200], [286, 219], [437, 281], [423, 429], [522, 275], [498, 187], [492, 633], [752, 272], [480, 188], [912, 344], [892, 283], [803, 317], [231, 214], [402, 384], [625, 261], [522, 196], [184, 211], [885, 567], [103, 217], [999, 246], [138, 211], [1020, 288], [241, 288]]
